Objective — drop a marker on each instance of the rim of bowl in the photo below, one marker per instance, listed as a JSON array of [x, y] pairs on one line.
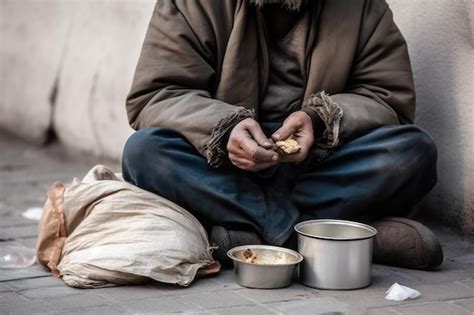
[[230, 254], [372, 231]]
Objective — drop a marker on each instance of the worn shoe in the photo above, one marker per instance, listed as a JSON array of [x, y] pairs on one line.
[[406, 243], [227, 239]]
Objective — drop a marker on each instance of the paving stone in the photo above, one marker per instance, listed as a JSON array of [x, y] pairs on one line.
[[382, 311], [102, 310], [29, 242], [210, 300], [166, 289], [362, 298], [11, 298], [223, 281], [26, 273], [467, 282], [16, 232], [129, 293], [399, 275], [445, 291], [34, 283], [25, 308], [50, 292], [384, 276], [431, 292], [313, 306], [431, 308], [69, 302], [461, 272], [465, 259], [161, 305], [467, 304], [9, 220], [449, 272], [370, 297], [293, 293], [255, 309], [4, 287]]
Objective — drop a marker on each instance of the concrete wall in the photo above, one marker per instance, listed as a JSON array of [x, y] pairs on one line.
[[440, 35], [67, 66]]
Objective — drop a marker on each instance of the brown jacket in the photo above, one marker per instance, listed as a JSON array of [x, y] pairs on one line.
[[204, 67]]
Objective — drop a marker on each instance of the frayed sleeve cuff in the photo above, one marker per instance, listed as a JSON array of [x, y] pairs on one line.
[[330, 114], [216, 148]]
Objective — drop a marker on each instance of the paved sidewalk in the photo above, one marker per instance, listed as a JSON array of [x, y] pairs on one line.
[[26, 172]]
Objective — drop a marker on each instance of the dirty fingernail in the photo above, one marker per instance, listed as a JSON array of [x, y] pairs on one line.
[[267, 144]]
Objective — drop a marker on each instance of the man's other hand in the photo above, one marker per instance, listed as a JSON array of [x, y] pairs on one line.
[[299, 127], [249, 148]]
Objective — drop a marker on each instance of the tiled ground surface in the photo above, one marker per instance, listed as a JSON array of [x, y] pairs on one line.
[[25, 174]]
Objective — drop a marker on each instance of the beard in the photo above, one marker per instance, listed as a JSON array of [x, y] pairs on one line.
[[292, 5]]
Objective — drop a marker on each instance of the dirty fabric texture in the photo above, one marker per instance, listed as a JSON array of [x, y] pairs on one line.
[[216, 150], [102, 232], [202, 61], [330, 112]]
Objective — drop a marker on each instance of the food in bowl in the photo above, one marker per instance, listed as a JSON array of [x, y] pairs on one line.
[[264, 267], [250, 256], [276, 259]]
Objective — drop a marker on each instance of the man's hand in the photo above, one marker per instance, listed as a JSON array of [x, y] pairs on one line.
[[299, 127], [249, 148]]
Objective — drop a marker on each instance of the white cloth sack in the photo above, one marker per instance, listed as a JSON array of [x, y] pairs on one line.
[[102, 232]]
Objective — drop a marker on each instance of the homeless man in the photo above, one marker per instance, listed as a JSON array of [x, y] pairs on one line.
[[219, 82]]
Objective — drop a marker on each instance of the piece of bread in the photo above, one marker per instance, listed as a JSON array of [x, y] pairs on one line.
[[289, 146]]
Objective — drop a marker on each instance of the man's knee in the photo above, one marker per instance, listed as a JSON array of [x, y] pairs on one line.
[[145, 145], [137, 144], [421, 148], [413, 153]]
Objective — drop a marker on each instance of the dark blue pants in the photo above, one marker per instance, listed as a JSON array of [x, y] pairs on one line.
[[384, 172]]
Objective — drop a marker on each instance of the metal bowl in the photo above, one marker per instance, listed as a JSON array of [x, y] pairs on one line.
[[337, 254], [264, 267]]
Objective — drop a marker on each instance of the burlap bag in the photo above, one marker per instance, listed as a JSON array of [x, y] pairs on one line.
[[102, 232]]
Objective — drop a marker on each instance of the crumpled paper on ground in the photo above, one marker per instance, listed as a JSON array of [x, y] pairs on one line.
[[399, 292]]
